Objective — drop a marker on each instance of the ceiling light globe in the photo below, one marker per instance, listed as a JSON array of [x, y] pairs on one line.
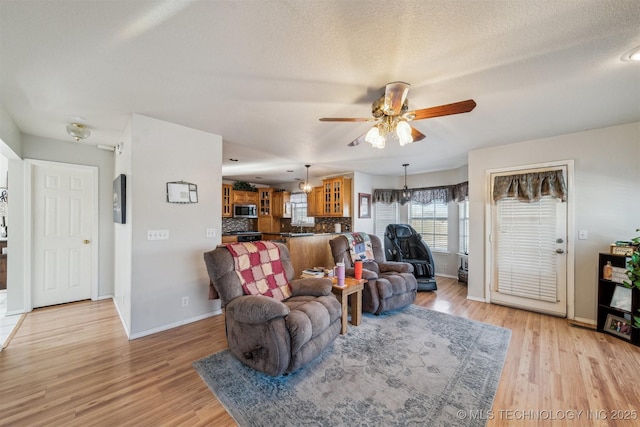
[[403, 130]]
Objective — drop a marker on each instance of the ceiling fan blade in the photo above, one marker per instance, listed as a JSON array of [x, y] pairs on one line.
[[443, 110], [357, 141], [394, 96], [344, 119], [417, 135]]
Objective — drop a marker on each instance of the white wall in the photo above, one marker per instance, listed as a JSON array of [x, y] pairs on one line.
[[606, 198], [361, 183], [165, 271]]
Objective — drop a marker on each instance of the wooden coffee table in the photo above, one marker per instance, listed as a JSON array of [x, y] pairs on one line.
[[351, 292]]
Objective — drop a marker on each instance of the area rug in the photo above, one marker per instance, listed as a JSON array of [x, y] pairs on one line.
[[411, 367]]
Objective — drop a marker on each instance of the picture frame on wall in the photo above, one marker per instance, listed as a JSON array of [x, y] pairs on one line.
[[120, 199], [364, 205], [618, 326]]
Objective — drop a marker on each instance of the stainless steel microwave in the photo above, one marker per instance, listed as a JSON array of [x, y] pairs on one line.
[[245, 211]]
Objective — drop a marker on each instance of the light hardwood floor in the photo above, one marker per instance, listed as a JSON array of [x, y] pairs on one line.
[[73, 365]]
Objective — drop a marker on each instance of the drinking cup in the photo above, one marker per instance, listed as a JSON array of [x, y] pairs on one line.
[[339, 273], [357, 270]]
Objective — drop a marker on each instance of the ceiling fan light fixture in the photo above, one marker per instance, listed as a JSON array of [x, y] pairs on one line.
[[403, 131], [375, 138], [78, 131]]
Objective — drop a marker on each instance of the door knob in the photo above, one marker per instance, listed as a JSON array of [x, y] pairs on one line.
[[559, 240], [560, 251], [86, 242]]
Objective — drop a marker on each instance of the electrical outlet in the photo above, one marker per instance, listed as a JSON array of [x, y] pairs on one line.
[[211, 232], [444, 266], [185, 301]]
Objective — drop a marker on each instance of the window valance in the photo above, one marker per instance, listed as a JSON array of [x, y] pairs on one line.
[[530, 187], [424, 195]]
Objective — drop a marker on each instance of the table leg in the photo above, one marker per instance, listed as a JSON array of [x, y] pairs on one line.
[[345, 313], [356, 308]]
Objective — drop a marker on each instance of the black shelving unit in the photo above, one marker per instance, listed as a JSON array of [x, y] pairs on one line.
[[608, 314]]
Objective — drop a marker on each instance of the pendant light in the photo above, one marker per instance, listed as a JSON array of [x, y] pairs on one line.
[[406, 193], [306, 186]]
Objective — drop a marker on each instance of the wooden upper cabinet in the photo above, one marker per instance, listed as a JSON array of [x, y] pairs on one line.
[[280, 201], [227, 201], [245, 197], [315, 202], [337, 197], [265, 198]]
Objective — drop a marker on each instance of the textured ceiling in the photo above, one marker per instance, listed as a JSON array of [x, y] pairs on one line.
[[261, 74]]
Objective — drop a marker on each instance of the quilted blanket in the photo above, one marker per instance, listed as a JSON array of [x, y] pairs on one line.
[[259, 269], [360, 246]]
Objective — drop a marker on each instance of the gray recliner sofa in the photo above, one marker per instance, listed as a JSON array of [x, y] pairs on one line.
[[268, 335], [390, 285]]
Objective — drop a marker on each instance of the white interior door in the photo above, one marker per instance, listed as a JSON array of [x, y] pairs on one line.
[[63, 205], [529, 243]]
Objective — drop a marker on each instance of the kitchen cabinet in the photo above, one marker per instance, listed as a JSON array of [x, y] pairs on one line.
[[337, 197], [229, 239], [281, 204], [268, 224], [315, 202], [245, 197], [227, 203], [265, 196]]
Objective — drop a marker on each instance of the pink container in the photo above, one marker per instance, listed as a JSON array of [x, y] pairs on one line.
[[339, 273]]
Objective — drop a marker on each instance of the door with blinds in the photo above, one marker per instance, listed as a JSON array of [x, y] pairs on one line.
[[529, 235]]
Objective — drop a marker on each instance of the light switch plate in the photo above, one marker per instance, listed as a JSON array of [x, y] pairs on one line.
[[583, 234], [211, 232], [157, 234]]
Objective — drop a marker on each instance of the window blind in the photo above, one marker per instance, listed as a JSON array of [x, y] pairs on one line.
[[463, 218], [384, 214], [432, 222], [526, 248]]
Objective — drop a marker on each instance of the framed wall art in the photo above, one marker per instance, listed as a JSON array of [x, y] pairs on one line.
[[120, 199], [364, 205]]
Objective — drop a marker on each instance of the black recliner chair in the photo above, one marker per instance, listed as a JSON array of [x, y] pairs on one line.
[[403, 243]]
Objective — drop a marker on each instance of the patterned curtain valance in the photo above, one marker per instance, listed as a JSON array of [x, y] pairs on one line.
[[387, 196], [423, 195], [461, 191], [530, 187]]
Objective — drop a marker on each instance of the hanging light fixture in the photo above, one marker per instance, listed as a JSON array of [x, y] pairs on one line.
[[78, 131], [406, 193], [306, 186]]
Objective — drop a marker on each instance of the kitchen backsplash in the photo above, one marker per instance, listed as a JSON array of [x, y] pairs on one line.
[[322, 225], [239, 224]]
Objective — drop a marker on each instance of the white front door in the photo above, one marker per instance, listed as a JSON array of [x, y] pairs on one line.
[[529, 251], [63, 212]]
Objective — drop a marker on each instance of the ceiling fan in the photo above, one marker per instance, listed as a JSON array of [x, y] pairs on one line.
[[392, 116]]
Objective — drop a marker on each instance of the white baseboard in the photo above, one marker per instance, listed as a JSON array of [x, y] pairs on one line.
[[124, 324], [476, 299], [173, 325], [449, 276]]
